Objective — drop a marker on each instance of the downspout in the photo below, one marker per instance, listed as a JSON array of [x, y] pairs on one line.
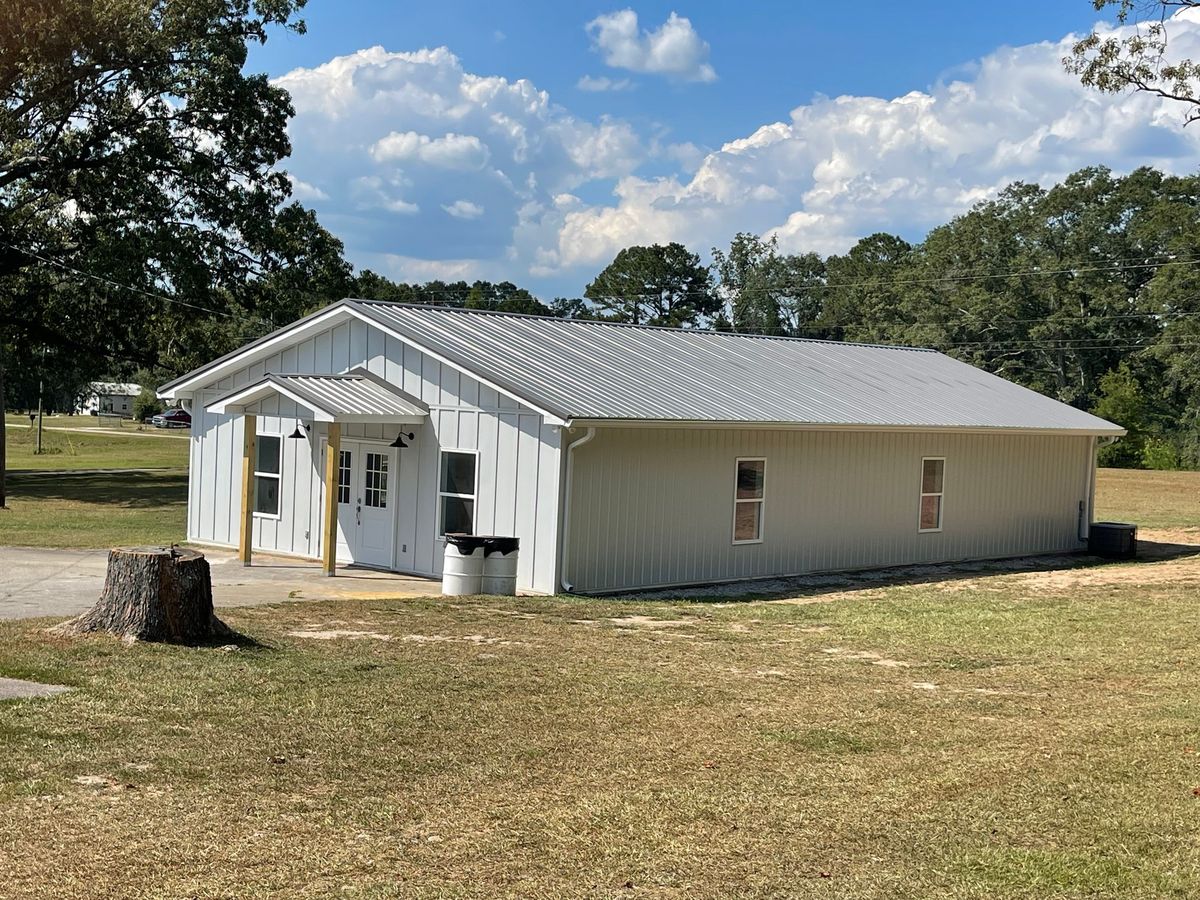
[[1085, 528], [566, 529]]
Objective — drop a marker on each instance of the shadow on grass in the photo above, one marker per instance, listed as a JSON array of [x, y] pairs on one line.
[[817, 585], [134, 490], [235, 640]]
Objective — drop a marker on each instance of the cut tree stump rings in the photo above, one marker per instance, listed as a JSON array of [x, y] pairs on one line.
[[153, 594]]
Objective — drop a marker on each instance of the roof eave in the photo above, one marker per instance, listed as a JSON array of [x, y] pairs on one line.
[[583, 421]]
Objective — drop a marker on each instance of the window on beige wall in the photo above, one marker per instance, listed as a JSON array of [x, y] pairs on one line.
[[933, 473], [748, 498]]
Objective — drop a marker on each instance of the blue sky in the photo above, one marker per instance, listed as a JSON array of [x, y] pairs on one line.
[[530, 141]]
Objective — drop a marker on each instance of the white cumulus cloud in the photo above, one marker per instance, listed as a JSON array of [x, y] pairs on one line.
[[463, 209], [453, 151], [304, 191], [841, 168], [396, 142], [673, 49]]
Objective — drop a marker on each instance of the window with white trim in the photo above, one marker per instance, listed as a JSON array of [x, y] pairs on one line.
[[268, 464], [748, 494], [933, 473], [457, 492]]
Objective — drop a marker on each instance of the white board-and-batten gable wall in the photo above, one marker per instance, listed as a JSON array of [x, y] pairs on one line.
[[518, 454]]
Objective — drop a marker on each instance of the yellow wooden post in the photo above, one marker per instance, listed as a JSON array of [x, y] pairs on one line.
[[333, 451], [246, 533]]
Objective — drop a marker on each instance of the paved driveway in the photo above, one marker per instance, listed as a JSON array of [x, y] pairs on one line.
[[67, 582]]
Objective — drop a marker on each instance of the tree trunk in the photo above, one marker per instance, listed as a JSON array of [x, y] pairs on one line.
[[153, 594]]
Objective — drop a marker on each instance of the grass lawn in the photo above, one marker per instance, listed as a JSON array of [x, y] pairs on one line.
[[64, 450], [95, 510], [1151, 499], [986, 742]]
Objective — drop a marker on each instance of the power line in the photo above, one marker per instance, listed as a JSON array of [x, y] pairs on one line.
[[103, 279]]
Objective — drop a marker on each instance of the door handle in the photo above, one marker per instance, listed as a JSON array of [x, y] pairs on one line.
[[358, 514]]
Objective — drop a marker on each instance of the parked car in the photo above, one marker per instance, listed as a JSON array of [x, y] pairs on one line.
[[172, 418]]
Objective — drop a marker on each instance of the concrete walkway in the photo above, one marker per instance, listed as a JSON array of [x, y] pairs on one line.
[[35, 582]]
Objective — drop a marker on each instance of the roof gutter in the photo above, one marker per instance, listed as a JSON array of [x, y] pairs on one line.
[[564, 554], [1113, 433]]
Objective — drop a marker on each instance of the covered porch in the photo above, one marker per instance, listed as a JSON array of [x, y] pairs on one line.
[[328, 402]]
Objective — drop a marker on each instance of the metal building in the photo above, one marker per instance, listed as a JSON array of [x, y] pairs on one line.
[[624, 457]]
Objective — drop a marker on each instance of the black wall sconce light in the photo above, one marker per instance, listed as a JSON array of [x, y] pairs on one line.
[[298, 434], [399, 441]]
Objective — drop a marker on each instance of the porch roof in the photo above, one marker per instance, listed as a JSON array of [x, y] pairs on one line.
[[356, 396]]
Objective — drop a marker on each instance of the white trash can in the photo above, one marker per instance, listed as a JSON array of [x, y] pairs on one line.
[[462, 565], [500, 566]]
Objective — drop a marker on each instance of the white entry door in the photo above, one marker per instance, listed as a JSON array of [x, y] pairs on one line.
[[365, 504]]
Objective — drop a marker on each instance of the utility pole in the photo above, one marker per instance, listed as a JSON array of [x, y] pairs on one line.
[[41, 382], [38, 451]]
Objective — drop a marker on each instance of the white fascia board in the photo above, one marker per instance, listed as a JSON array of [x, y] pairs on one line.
[[818, 426], [549, 417], [374, 419], [256, 350]]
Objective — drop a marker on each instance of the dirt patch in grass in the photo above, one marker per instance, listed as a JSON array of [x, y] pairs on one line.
[[649, 622], [335, 634], [869, 656]]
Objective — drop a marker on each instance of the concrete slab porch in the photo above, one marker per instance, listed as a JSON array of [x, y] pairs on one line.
[[39, 582]]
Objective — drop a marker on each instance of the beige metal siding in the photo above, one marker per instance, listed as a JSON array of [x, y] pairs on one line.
[[654, 506]]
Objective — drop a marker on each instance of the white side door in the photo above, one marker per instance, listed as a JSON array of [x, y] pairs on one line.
[[375, 511]]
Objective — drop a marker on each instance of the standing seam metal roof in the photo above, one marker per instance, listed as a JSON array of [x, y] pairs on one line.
[[352, 394], [580, 369]]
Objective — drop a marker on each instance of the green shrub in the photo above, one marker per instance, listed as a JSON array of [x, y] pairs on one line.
[[1160, 453], [146, 405]]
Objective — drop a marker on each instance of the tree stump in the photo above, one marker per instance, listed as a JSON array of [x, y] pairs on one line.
[[153, 594]]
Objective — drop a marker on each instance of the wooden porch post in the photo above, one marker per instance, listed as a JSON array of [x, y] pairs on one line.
[[246, 533], [329, 539]]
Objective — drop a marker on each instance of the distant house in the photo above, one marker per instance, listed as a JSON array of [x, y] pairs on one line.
[[623, 457], [113, 398]]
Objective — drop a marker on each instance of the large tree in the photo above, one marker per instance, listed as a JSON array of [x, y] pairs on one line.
[[768, 292], [663, 284], [143, 216]]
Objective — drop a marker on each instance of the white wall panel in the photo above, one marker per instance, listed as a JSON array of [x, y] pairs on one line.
[[518, 460]]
